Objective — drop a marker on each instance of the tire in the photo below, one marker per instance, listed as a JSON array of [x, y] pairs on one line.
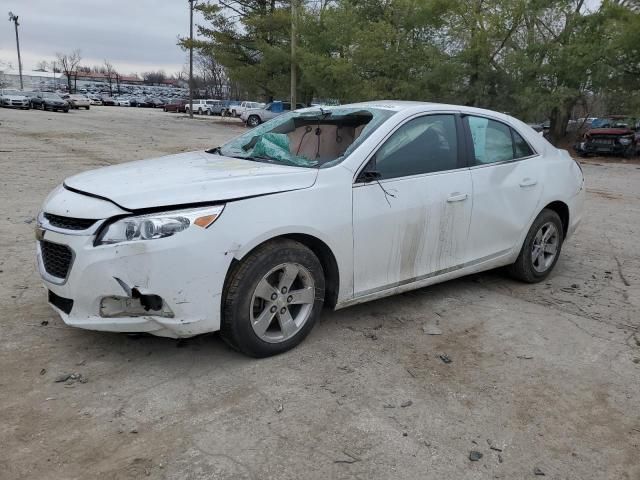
[[87, 107], [242, 303], [253, 121], [65, 110], [629, 152], [199, 111], [528, 269]]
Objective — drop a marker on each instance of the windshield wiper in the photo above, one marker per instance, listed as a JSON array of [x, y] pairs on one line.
[[214, 150]]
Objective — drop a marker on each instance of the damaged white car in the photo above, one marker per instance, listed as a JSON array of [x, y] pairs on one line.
[[331, 206]]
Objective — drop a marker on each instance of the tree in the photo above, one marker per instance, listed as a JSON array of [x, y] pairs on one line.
[[536, 59], [109, 71], [42, 66], [154, 77], [68, 63]]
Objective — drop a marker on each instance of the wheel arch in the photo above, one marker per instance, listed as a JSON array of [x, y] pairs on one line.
[[562, 209], [318, 247]]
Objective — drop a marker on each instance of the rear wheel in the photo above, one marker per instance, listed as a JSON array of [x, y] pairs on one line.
[[253, 121], [541, 248], [272, 299]]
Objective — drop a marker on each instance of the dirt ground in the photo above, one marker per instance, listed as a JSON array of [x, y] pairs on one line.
[[542, 376]]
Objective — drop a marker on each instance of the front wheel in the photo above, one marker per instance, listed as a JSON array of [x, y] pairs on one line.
[[253, 121], [272, 299], [541, 248]]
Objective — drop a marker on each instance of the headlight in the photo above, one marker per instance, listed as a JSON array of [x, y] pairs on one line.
[[625, 141], [158, 225]]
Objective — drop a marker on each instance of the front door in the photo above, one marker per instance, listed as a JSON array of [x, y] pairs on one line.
[[412, 206]]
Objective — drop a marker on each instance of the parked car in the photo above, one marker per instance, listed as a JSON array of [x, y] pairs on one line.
[[95, 100], [244, 106], [214, 107], [610, 136], [176, 106], [123, 102], [200, 106], [255, 116], [157, 102], [107, 100], [50, 101], [229, 108], [337, 206], [14, 99], [79, 101]]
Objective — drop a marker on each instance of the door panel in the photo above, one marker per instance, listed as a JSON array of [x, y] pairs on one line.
[[506, 197], [417, 228], [506, 187]]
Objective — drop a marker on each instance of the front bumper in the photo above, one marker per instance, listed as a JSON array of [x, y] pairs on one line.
[[183, 270], [16, 103], [601, 148]]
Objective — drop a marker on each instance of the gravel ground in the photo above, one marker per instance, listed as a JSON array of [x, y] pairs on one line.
[[543, 378]]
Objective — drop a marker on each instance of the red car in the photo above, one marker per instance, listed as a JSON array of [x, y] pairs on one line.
[[176, 106], [610, 136]]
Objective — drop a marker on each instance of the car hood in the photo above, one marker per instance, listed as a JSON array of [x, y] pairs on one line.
[[610, 131], [15, 97], [188, 178]]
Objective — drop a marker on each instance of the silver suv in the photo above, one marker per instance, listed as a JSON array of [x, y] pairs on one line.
[[255, 116]]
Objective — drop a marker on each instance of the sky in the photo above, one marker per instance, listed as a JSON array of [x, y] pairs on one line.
[[134, 35]]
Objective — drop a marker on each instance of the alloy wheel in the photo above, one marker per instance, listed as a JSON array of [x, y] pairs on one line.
[[545, 247], [282, 302]]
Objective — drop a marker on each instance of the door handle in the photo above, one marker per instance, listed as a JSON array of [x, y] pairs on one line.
[[457, 197], [528, 182]]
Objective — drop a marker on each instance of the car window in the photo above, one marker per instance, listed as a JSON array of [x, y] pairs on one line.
[[423, 145], [492, 141], [521, 147]]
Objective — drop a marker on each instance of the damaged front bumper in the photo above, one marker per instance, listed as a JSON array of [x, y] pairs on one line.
[[169, 287]]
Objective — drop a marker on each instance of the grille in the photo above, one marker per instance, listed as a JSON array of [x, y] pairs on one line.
[[602, 140], [69, 223], [56, 258], [64, 304]]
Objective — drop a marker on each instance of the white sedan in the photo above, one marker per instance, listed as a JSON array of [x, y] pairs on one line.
[[322, 206]]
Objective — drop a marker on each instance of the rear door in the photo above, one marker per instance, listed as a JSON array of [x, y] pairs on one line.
[[507, 188], [412, 205]]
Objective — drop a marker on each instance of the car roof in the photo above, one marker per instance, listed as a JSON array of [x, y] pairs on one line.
[[406, 105]]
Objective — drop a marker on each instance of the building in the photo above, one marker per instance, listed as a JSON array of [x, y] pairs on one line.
[[32, 79]]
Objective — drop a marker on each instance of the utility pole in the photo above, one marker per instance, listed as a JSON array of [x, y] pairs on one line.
[[191, 2], [294, 34], [14, 18]]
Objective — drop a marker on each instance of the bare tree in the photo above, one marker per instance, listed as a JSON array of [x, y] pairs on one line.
[[69, 65], [212, 75], [42, 66], [154, 77], [111, 74]]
